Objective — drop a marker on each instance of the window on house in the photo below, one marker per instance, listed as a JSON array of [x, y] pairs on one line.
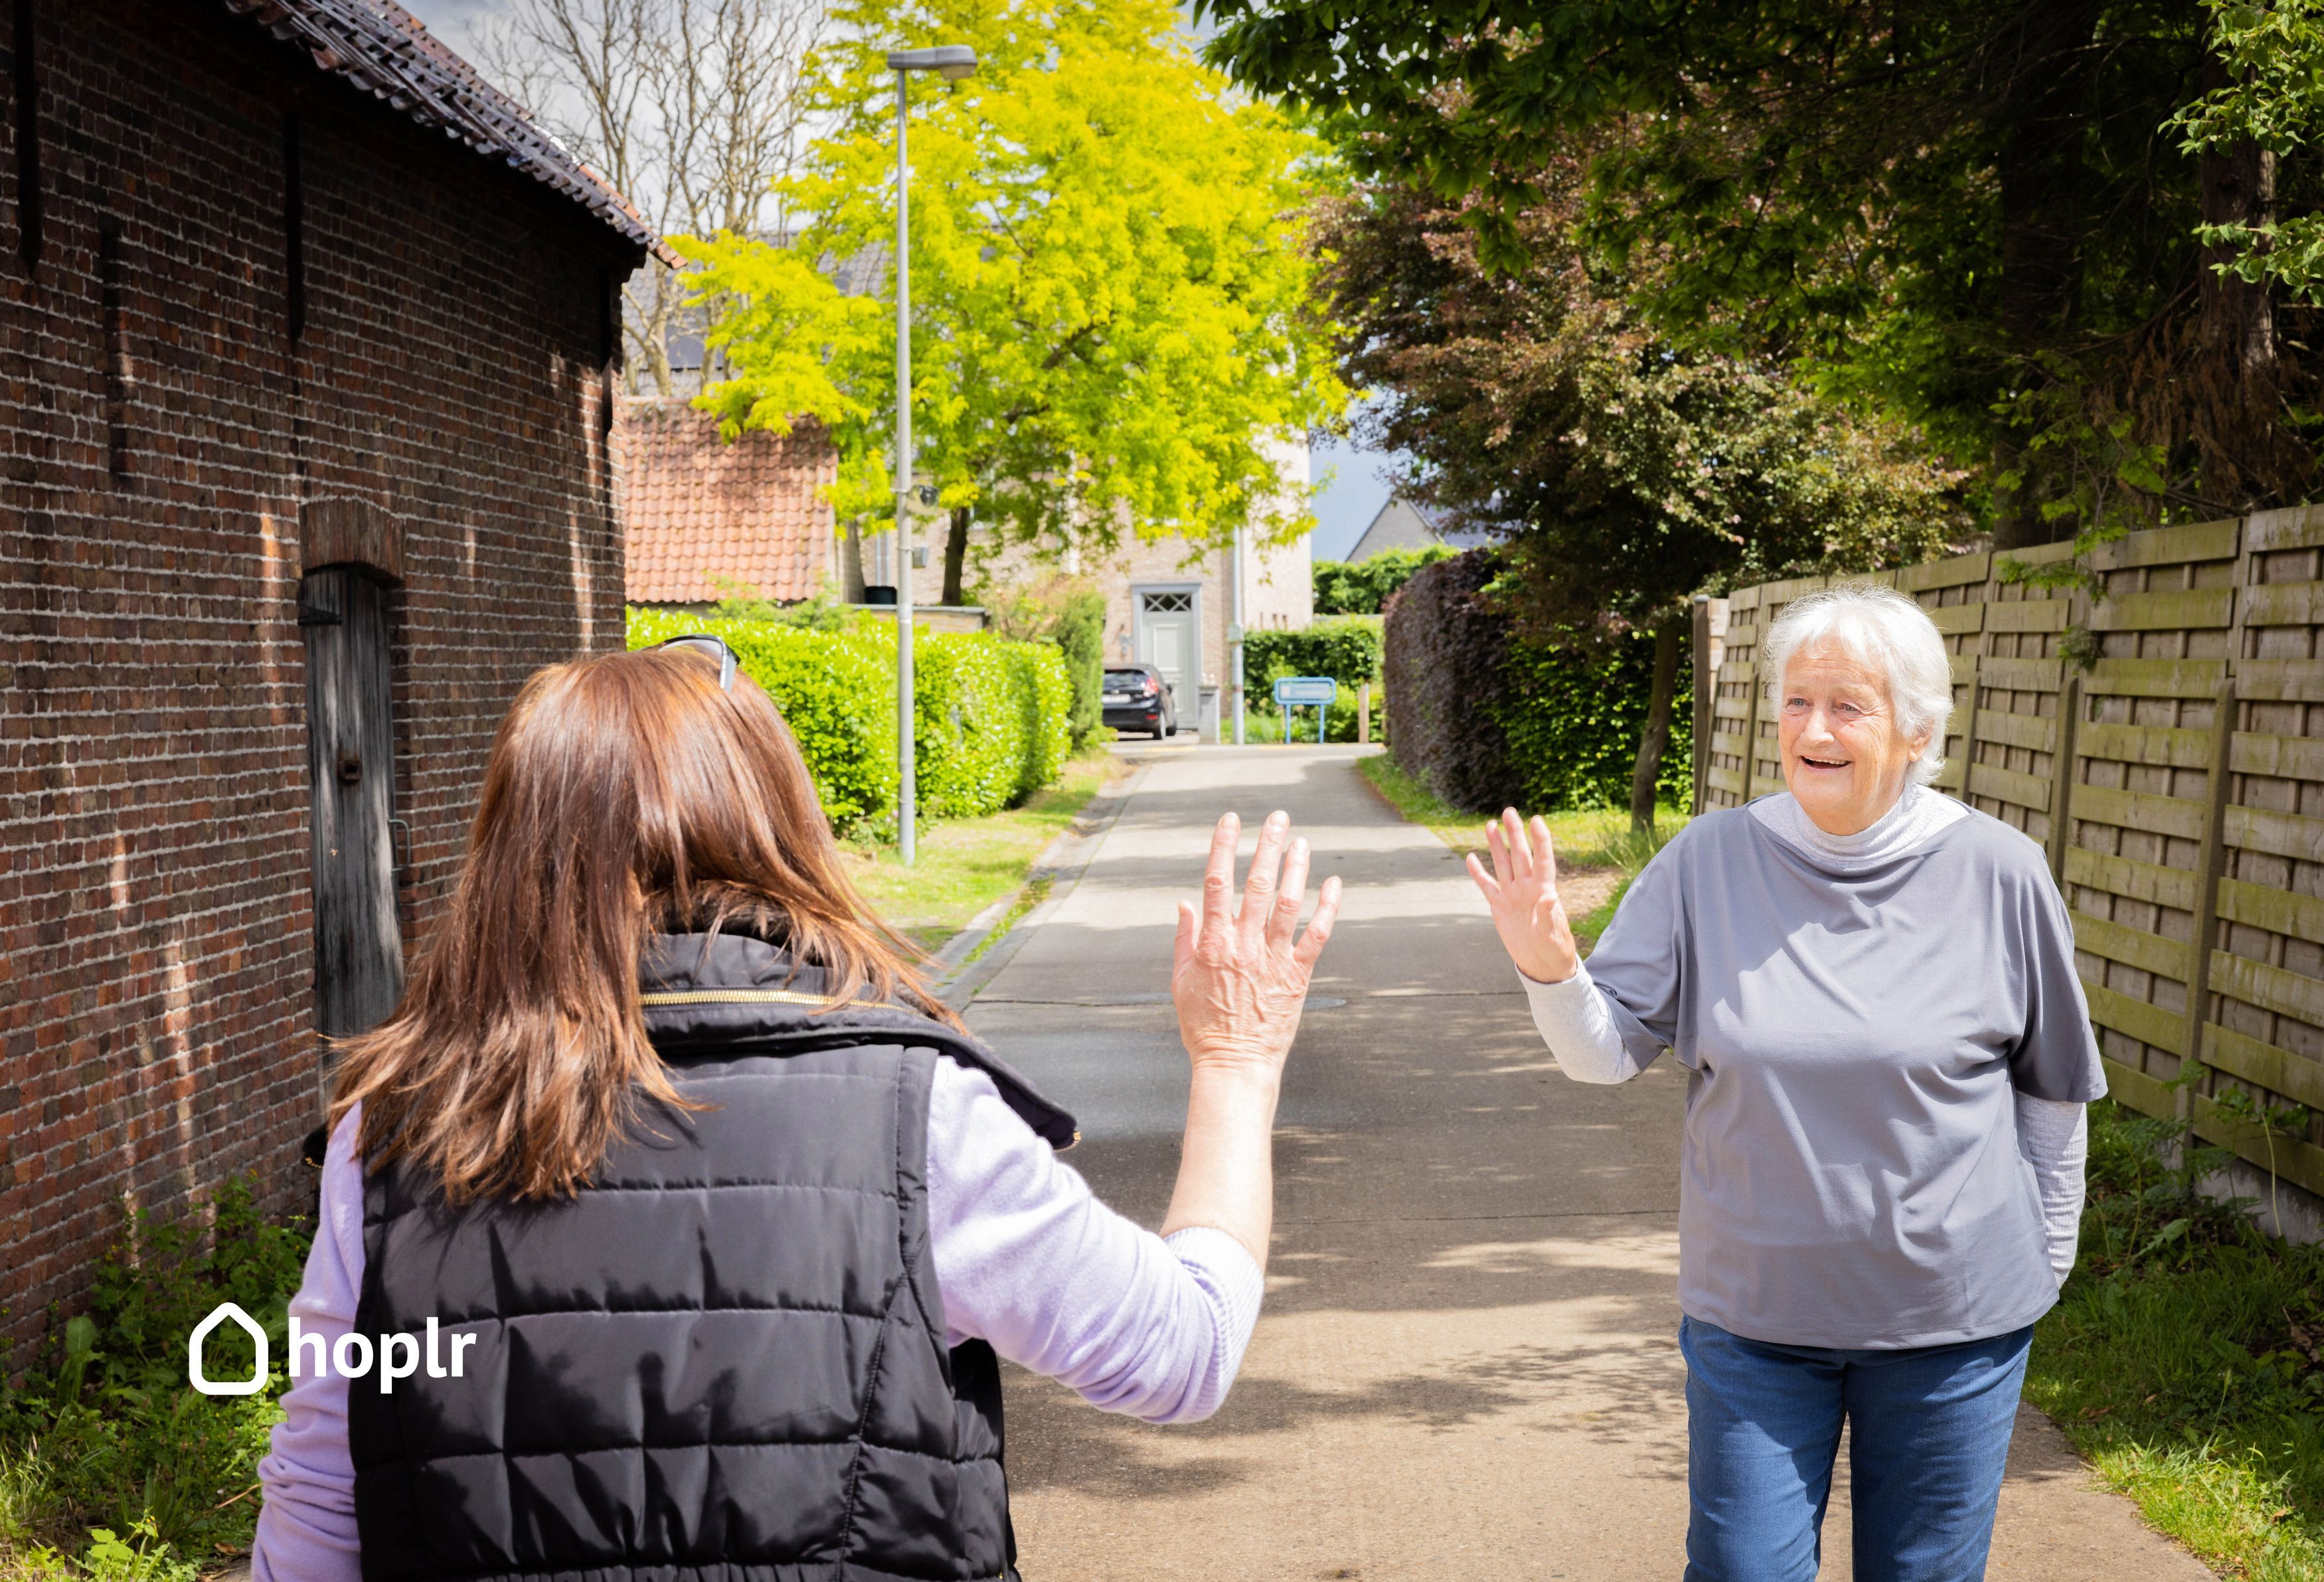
[[1168, 604]]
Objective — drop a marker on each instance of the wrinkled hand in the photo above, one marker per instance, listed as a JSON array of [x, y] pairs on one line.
[[1240, 978], [1522, 891]]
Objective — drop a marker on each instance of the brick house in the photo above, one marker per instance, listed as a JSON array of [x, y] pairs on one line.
[[310, 352], [706, 517]]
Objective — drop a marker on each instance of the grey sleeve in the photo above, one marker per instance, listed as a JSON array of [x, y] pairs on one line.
[[2058, 1057], [1636, 963]]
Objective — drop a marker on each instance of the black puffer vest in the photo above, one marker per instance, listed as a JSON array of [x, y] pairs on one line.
[[724, 1359]]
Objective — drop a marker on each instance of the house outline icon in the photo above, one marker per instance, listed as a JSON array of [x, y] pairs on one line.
[[200, 1381]]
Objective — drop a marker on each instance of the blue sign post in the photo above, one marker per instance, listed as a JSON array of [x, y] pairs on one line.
[[1298, 691]]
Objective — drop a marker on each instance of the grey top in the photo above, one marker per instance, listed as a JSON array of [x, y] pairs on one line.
[[1851, 1175]]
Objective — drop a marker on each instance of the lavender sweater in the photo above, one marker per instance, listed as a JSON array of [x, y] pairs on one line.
[[1026, 1258]]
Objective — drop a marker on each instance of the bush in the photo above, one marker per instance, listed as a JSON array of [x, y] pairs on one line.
[[836, 692], [1079, 632], [989, 714], [1362, 587], [104, 1435], [1347, 649], [1487, 719]]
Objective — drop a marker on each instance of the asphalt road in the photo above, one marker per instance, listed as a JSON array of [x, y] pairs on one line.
[[1468, 1366]]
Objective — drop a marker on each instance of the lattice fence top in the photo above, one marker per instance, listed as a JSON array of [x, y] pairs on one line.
[[2173, 771]]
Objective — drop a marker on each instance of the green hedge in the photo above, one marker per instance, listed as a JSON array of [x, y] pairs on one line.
[[1362, 587], [1346, 648], [837, 693], [991, 716]]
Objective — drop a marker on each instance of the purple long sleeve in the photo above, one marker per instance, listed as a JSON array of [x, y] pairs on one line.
[[1026, 1258]]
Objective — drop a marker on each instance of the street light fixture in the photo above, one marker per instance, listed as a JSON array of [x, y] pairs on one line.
[[953, 62]]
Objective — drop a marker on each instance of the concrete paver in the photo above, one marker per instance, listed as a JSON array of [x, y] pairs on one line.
[[1468, 1366]]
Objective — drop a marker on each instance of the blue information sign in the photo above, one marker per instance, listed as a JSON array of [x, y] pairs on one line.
[[1302, 691]]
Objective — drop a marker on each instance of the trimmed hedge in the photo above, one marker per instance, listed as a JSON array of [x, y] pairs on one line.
[[1487, 719], [1346, 648], [1362, 587], [989, 715]]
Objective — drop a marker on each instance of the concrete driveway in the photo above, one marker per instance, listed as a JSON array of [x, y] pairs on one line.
[[1468, 1366]]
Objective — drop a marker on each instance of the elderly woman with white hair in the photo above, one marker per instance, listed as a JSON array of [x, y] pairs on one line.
[[1872, 989]]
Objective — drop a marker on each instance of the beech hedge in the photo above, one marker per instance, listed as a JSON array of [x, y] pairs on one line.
[[990, 716], [1487, 719]]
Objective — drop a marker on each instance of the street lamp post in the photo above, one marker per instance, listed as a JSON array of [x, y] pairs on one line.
[[953, 62]]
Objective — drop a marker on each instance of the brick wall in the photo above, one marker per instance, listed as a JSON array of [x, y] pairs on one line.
[[162, 440]]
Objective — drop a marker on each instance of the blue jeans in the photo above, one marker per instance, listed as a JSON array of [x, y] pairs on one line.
[[1930, 1431]]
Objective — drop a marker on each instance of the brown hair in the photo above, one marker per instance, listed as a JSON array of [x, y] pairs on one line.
[[626, 795]]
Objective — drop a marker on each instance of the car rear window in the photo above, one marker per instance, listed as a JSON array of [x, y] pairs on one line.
[[1123, 677]]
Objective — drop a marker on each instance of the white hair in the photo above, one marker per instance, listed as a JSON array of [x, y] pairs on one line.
[[1887, 633]]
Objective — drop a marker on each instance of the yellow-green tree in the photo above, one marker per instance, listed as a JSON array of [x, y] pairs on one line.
[[1110, 279]]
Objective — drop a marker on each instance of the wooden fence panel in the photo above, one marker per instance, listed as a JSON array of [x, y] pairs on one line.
[[2158, 725]]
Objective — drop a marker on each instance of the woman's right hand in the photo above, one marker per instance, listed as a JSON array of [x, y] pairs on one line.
[[1522, 891]]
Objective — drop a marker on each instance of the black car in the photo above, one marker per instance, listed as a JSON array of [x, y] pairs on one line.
[[1137, 700]]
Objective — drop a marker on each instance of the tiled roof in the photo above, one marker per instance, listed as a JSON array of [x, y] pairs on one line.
[[388, 52], [750, 511]]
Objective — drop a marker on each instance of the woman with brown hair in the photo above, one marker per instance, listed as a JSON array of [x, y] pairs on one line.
[[671, 1225]]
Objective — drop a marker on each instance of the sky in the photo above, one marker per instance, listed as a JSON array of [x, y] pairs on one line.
[[1354, 481]]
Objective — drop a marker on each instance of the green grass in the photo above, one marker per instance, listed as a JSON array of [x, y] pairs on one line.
[[1584, 837], [966, 864], [2186, 1361]]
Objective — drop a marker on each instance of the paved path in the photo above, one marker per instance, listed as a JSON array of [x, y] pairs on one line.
[[1468, 1366]]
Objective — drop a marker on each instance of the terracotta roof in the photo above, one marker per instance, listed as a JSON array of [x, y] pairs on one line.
[[751, 512], [388, 52]]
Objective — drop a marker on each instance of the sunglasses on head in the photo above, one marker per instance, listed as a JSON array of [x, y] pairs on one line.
[[715, 647]]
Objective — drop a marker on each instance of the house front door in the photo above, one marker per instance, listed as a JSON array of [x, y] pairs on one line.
[[1169, 638]]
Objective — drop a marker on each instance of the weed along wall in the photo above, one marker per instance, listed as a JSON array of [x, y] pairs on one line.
[[2154, 722]]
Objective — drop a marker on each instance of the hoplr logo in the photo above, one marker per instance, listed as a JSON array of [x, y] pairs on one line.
[[350, 1356]]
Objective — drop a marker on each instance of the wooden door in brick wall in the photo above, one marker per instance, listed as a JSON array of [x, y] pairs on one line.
[[343, 614]]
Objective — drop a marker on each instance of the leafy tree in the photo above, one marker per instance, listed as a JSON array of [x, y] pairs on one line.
[[1361, 587], [1108, 279], [1971, 211], [1625, 473]]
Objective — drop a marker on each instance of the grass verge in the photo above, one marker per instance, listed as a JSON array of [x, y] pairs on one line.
[[1585, 838], [2186, 1360], [966, 864]]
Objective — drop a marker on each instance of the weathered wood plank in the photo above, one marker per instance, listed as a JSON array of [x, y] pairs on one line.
[[2271, 988], [1736, 708], [1952, 572], [2170, 959], [1957, 620], [2296, 1077], [2022, 791], [2280, 912], [2021, 675], [1730, 780], [2283, 834], [2171, 610], [2284, 604], [2299, 1163], [2169, 546], [1948, 778], [2159, 747], [2046, 615], [1785, 592], [2284, 758], [2149, 1095], [2033, 732], [2175, 816], [2157, 678], [1963, 667], [2293, 527], [2031, 555], [1737, 670], [2147, 881], [2280, 680], [2149, 1024]]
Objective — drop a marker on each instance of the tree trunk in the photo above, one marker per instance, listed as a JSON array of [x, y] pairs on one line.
[[956, 556], [2247, 458], [2039, 118], [1655, 736]]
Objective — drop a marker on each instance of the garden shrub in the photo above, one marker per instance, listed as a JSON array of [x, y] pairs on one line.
[[1487, 719], [103, 1431], [1362, 587], [1346, 648], [836, 692], [1079, 631], [989, 715]]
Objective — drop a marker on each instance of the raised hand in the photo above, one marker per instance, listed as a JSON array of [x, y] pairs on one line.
[[1240, 978], [1522, 891]]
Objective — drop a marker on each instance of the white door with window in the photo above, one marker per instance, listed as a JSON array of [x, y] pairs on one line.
[[1170, 639]]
